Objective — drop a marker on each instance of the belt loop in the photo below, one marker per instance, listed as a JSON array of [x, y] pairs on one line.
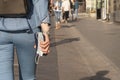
[[30, 29]]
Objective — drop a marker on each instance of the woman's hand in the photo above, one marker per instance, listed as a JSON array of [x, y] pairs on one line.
[[45, 45]]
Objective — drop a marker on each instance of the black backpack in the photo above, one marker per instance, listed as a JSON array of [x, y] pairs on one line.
[[15, 8]]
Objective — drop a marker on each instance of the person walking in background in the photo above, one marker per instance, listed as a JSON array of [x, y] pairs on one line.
[[57, 10], [72, 8], [65, 10], [76, 6], [20, 33], [50, 7]]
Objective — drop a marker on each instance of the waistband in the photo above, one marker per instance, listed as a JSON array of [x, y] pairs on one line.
[[18, 31], [24, 31]]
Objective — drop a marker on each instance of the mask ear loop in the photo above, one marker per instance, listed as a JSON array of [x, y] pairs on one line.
[[37, 57]]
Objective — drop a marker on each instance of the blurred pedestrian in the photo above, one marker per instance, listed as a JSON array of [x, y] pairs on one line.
[[57, 10], [19, 32], [76, 6], [71, 8], [65, 10], [50, 7]]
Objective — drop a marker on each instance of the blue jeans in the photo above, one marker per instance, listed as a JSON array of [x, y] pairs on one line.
[[57, 16], [23, 42], [76, 13]]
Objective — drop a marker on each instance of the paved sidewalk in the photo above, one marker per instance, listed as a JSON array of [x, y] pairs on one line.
[[78, 59]]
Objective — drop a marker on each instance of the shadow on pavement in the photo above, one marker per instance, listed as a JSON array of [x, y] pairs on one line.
[[67, 26], [64, 41], [99, 76], [72, 21]]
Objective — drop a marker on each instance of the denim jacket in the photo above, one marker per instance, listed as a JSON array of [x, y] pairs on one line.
[[39, 14]]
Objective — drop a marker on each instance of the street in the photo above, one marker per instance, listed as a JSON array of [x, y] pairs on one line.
[[86, 49]]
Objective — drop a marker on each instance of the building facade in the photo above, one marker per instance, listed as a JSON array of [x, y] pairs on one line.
[[91, 5], [111, 10], [116, 11]]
